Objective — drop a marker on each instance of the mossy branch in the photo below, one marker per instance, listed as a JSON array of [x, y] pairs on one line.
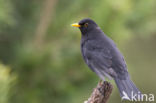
[[101, 93]]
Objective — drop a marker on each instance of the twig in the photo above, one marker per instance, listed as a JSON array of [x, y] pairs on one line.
[[101, 93], [44, 21]]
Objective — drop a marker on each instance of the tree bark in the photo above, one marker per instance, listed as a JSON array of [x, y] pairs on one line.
[[101, 93]]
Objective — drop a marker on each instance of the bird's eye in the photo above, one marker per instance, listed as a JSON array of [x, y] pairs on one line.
[[86, 24]]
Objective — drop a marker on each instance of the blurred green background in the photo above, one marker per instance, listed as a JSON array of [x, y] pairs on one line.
[[40, 59]]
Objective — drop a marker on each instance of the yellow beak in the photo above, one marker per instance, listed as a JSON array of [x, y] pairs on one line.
[[76, 25]]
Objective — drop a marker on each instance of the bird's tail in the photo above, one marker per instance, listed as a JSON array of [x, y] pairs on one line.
[[127, 88]]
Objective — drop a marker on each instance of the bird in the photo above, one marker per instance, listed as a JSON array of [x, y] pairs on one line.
[[103, 57]]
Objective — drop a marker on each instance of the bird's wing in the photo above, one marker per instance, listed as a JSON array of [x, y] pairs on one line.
[[103, 60]]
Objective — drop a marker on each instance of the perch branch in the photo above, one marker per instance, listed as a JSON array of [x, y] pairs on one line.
[[101, 93]]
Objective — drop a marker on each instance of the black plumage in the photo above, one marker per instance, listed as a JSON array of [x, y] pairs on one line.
[[103, 57]]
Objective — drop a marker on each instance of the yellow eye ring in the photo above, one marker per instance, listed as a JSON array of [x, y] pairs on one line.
[[86, 24]]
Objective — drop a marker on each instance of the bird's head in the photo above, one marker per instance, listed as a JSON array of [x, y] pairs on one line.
[[85, 25]]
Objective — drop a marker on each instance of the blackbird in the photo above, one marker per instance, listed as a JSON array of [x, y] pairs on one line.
[[104, 58]]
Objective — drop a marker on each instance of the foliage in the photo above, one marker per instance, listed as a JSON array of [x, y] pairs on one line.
[[6, 82]]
